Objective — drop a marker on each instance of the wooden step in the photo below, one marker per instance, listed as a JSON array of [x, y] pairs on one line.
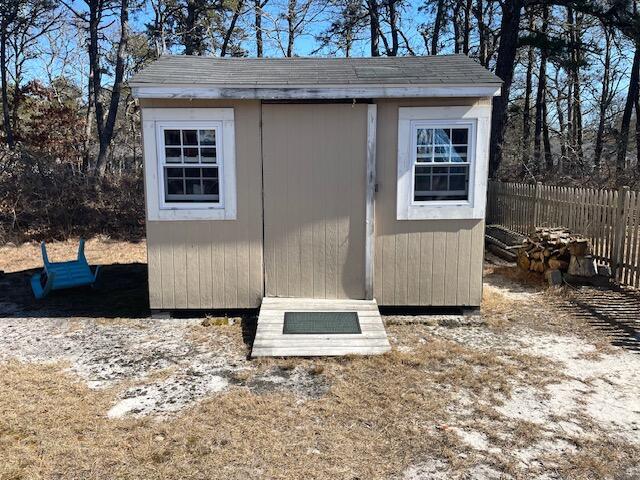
[[270, 341]]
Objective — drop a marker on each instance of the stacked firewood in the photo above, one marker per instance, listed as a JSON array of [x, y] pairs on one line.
[[552, 249]]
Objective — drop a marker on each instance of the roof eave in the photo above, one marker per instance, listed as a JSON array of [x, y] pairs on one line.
[[299, 92]]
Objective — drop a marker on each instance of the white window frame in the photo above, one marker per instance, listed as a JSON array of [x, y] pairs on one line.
[[154, 122], [219, 146], [478, 119]]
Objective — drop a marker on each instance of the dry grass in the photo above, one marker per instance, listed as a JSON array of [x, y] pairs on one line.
[[99, 250], [380, 415]]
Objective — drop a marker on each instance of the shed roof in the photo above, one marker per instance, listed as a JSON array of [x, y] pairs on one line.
[[309, 72]]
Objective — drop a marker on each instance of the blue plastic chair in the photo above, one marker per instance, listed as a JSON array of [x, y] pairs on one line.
[[60, 275]]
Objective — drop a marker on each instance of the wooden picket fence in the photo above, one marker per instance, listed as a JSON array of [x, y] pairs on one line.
[[609, 218]]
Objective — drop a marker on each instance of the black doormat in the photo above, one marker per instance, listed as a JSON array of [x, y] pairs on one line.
[[297, 323]]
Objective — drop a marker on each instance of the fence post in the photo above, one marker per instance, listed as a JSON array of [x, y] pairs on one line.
[[619, 233], [537, 200]]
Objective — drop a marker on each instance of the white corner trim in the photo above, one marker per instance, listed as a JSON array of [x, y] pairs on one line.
[[155, 118], [372, 113], [479, 116], [288, 92]]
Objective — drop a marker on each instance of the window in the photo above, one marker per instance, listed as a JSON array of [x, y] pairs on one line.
[[191, 166], [441, 153], [189, 163], [441, 162]]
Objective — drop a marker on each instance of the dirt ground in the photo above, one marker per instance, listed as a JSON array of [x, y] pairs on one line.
[[92, 388]]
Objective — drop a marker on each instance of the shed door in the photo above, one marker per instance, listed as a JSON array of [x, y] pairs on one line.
[[314, 169]]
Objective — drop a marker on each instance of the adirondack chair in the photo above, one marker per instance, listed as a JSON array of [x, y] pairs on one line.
[[60, 275]]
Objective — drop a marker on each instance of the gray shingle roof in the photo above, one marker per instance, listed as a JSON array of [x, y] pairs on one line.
[[254, 72]]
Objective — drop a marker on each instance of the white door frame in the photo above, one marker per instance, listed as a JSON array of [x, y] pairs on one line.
[[372, 112]]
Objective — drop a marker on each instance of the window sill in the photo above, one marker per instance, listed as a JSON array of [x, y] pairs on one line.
[[209, 213], [440, 211]]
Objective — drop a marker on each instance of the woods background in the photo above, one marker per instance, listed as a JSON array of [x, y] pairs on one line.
[[70, 160]]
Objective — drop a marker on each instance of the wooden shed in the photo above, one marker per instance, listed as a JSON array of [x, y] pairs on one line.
[[315, 178]]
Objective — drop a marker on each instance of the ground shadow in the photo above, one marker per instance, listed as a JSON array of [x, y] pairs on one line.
[[615, 311], [121, 292]]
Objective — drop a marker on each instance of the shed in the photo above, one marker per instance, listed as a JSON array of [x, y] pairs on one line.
[[315, 178]]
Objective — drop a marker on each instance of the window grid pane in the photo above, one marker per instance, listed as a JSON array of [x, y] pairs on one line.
[[191, 165], [441, 167], [192, 184]]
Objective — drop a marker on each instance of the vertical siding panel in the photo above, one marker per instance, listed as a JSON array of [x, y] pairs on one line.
[[180, 263], [346, 189], [168, 273], [217, 265], [280, 192], [439, 267], [296, 146], [306, 199], [204, 265], [354, 265], [332, 212], [389, 264], [464, 266], [230, 272], [451, 269], [154, 265], [320, 168], [192, 270], [378, 271], [475, 267], [413, 269], [401, 268], [269, 156], [252, 149], [242, 267], [426, 268]]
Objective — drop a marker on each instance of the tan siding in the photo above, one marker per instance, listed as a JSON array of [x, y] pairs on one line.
[[420, 262], [314, 184], [213, 264]]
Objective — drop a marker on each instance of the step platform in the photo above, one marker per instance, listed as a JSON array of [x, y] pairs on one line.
[[272, 341]]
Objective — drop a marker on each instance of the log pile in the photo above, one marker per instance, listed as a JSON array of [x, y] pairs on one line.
[[553, 249]]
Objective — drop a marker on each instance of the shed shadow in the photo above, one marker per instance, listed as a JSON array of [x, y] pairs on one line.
[[121, 292]]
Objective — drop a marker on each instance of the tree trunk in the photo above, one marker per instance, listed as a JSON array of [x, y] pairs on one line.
[[192, 36], [374, 25], [232, 27], [483, 37], [637, 107], [575, 39], [107, 133], [467, 26], [437, 26], [258, 24], [88, 125], [561, 127], [393, 25], [291, 26], [6, 120], [604, 99], [457, 28], [546, 141], [511, 13], [632, 93], [541, 95], [526, 109]]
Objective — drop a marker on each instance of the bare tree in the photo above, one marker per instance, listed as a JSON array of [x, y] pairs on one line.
[[105, 116], [22, 23]]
